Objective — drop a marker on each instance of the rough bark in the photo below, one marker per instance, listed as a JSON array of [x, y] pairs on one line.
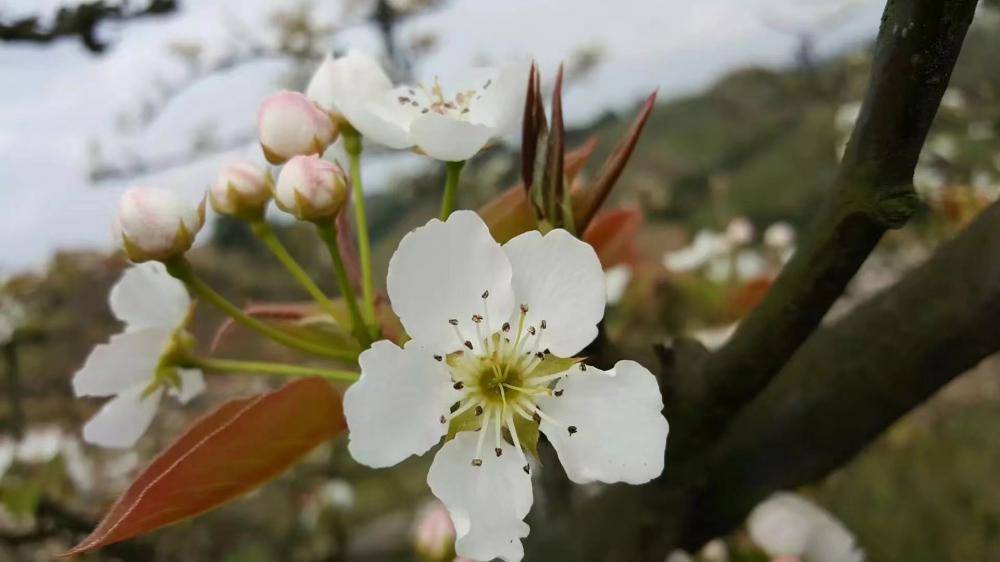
[[917, 46], [853, 379]]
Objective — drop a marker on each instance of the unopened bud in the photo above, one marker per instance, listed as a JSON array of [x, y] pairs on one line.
[[155, 224], [241, 189], [780, 235], [739, 231], [311, 188], [434, 534], [288, 124]]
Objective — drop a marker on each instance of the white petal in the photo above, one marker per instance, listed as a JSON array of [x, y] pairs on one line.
[[440, 272], [147, 296], [487, 503], [447, 138], [394, 409], [787, 524], [560, 279], [123, 419], [501, 105], [127, 359], [356, 85], [620, 434], [7, 448], [192, 384]]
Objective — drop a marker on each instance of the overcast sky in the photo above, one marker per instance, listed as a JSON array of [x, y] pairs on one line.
[[58, 101]]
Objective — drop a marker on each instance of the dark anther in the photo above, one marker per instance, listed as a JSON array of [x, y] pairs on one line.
[[506, 326], [479, 410], [486, 294], [558, 392], [540, 355], [438, 358], [537, 418], [477, 462], [459, 385], [526, 471], [583, 367], [543, 324], [453, 322], [487, 84], [468, 344], [531, 330], [444, 419], [524, 308], [404, 99], [547, 352], [455, 406], [498, 451], [424, 110], [477, 318], [572, 429]]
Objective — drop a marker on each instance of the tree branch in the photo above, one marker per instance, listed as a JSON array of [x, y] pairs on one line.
[[917, 46], [80, 21], [852, 380]]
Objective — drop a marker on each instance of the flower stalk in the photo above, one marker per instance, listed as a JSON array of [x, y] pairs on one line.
[[181, 269], [263, 231], [352, 144], [453, 170], [328, 232], [232, 366]]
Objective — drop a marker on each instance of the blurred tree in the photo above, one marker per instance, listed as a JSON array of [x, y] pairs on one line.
[[80, 20]]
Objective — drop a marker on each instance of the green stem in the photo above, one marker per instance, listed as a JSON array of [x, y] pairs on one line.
[[453, 170], [265, 233], [328, 232], [352, 144], [266, 368], [181, 269]]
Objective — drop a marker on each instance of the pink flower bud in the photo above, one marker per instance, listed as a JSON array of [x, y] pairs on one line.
[[289, 124], [434, 534], [311, 188], [241, 189], [155, 224]]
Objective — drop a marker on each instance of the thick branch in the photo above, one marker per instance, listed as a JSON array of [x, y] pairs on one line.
[[850, 381], [917, 46]]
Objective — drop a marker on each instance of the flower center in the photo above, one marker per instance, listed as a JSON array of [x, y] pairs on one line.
[[501, 376], [433, 99]]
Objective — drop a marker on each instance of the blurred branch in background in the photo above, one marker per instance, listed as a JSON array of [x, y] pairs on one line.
[[79, 20], [297, 37]]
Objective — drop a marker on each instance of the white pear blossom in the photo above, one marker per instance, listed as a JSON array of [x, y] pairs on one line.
[[135, 366], [289, 124], [452, 127], [494, 332], [156, 224], [311, 188], [241, 189], [788, 525]]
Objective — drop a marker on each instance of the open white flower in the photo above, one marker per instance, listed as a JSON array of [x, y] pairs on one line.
[[486, 105], [492, 329], [135, 366], [788, 525]]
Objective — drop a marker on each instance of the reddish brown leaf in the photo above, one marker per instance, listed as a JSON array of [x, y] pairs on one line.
[[238, 447], [612, 167], [508, 214], [552, 182], [533, 117], [612, 234]]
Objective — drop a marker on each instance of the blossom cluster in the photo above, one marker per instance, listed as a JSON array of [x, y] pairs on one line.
[[492, 354]]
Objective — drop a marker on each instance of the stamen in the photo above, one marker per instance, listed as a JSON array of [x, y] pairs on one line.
[[474, 402], [438, 358], [538, 412], [479, 410], [517, 442], [543, 324], [459, 385], [558, 393], [520, 411], [482, 437], [572, 429], [506, 327]]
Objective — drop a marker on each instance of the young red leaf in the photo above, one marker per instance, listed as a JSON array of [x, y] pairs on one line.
[[612, 234], [238, 447], [612, 167]]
